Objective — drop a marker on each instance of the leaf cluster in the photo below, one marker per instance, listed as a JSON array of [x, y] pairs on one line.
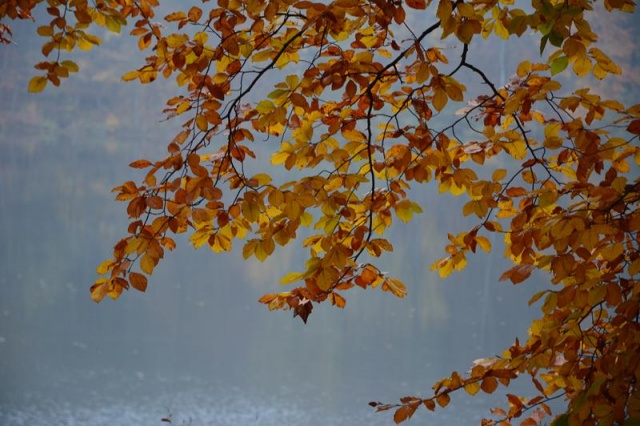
[[362, 88]]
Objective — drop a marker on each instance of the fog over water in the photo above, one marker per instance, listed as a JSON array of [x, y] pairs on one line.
[[197, 347]]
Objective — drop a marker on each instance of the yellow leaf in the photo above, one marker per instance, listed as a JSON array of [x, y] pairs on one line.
[[131, 75], [45, 31], [37, 84], [99, 290], [582, 66], [201, 123], [265, 106], [562, 229], [261, 179], [263, 55], [444, 267], [200, 237], [354, 135], [70, 65], [250, 210], [264, 248], [484, 243], [114, 23], [249, 248], [291, 277], [87, 41], [105, 267], [498, 175], [552, 130], [279, 157], [517, 148], [472, 388], [115, 291], [439, 99], [394, 286], [403, 211], [306, 219], [422, 74], [500, 30], [201, 38], [147, 264], [220, 243], [183, 106], [524, 68], [612, 251]]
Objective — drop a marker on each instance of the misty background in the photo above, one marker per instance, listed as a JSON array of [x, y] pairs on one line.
[[197, 347]]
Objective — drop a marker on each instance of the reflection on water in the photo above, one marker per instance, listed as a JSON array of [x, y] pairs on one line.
[[119, 400]]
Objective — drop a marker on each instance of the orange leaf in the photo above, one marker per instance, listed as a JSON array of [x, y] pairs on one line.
[[138, 281], [634, 127], [267, 298], [195, 13], [417, 4], [515, 401], [155, 202], [337, 300], [140, 164], [443, 399], [489, 384], [518, 273], [403, 413], [394, 286]]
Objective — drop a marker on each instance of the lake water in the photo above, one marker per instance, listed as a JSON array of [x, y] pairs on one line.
[[112, 399]]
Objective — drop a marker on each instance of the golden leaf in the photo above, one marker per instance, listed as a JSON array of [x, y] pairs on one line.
[[582, 66], [472, 388], [498, 175], [403, 211], [439, 99], [484, 243], [147, 264], [443, 399], [291, 277], [394, 286], [131, 75], [99, 290], [105, 267], [37, 84]]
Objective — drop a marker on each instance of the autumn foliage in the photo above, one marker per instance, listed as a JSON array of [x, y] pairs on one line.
[[363, 89]]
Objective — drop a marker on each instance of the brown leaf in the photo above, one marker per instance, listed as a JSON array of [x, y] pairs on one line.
[[303, 310], [489, 385], [443, 399], [634, 127], [138, 281], [417, 4], [403, 413]]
